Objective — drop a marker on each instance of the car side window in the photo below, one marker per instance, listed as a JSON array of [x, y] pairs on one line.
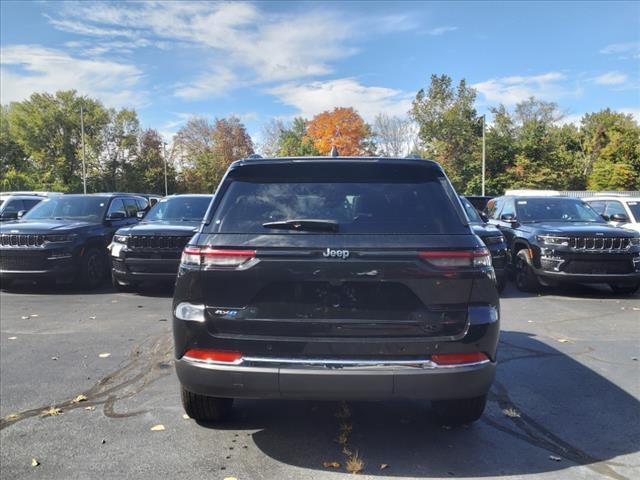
[[13, 206], [117, 206], [598, 206], [131, 207], [614, 207], [29, 204], [494, 207], [509, 208], [142, 203]]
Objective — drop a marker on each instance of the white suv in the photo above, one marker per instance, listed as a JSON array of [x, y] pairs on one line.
[[619, 211]]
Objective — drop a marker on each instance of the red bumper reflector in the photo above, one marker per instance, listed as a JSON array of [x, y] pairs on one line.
[[213, 355], [458, 358]]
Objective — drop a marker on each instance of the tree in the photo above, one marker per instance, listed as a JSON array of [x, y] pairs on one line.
[[294, 141], [450, 129], [15, 168], [607, 175], [47, 129], [343, 128], [271, 136], [394, 136], [146, 173], [119, 147], [206, 150]]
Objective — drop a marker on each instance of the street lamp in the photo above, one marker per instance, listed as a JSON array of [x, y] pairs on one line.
[[483, 153], [84, 164], [164, 155]]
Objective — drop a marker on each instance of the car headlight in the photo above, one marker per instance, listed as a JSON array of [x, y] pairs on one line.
[[120, 238], [635, 241], [493, 240], [552, 240], [68, 237]]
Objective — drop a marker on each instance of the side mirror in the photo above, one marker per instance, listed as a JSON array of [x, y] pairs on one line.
[[606, 217], [140, 214], [484, 217], [116, 216], [508, 217], [619, 217], [21, 213]]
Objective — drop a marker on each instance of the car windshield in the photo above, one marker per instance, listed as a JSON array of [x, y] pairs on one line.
[[555, 210], [352, 208], [472, 213], [634, 206], [69, 208], [186, 209]]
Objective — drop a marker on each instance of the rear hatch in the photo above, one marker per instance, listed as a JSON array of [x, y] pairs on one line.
[[336, 252]]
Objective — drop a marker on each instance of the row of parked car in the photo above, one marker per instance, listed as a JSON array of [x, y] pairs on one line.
[[538, 240]]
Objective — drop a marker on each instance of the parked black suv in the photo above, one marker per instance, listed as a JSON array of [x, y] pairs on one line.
[[336, 278], [492, 238], [560, 239], [65, 237], [151, 249]]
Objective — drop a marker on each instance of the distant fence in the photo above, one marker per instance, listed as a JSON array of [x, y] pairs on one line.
[[583, 194]]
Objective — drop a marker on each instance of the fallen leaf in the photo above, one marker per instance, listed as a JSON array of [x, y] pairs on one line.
[[157, 428], [51, 412], [92, 318], [103, 441], [230, 478], [635, 359], [24, 317], [54, 358], [104, 355], [34, 462], [636, 308], [91, 408], [331, 464], [34, 315], [346, 451], [186, 417], [554, 458], [563, 340], [354, 464], [12, 416], [13, 338], [511, 413], [383, 466], [529, 321], [80, 398]]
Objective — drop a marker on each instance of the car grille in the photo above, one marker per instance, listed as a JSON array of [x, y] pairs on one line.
[[157, 242], [23, 261], [608, 267], [21, 240], [600, 243]]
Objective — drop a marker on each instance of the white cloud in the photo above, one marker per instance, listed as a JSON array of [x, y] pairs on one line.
[[611, 78], [515, 89], [315, 97], [32, 68], [628, 49], [210, 84], [441, 30]]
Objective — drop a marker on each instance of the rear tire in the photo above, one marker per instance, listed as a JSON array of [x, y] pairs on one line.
[[206, 409], [624, 289], [525, 278], [92, 269], [458, 412], [122, 287]]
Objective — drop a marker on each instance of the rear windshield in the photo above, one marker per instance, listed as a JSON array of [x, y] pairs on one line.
[[181, 209], [357, 208]]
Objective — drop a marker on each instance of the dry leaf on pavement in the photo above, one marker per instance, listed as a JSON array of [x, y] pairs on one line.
[[563, 340], [91, 408], [13, 338], [51, 412], [80, 398], [104, 355], [554, 458], [331, 464], [34, 462], [157, 428], [383, 466]]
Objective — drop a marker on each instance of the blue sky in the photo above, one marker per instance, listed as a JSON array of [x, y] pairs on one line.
[[282, 59]]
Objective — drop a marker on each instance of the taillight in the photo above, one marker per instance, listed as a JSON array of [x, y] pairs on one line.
[[458, 358], [212, 257], [213, 356], [458, 259]]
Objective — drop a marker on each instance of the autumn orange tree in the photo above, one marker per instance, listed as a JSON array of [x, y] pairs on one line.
[[343, 128]]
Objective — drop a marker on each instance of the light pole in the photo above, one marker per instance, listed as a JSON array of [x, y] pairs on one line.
[[164, 155], [483, 154], [84, 164]]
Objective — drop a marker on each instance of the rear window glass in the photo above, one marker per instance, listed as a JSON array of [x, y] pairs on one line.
[[358, 208]]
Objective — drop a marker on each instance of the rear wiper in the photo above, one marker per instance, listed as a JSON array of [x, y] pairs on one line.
[[308, 225]]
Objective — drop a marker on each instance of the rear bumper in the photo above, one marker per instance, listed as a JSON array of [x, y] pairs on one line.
[[329, 383]]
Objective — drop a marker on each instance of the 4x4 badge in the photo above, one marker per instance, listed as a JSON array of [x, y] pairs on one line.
[[344, 254]]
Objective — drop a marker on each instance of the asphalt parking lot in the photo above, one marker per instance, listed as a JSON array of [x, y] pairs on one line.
[[565, 404]]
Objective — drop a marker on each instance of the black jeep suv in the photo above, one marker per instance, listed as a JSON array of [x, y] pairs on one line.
[[492, 238], [65, 238], [336, 278], [560, 239], [151, 249]]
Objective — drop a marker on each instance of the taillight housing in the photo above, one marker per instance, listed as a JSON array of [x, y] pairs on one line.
[[207, 257], [457, 258]]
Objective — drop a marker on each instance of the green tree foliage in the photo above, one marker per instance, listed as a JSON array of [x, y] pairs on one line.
[[450, 129], [146, 173], [207, 149], [294, 142]]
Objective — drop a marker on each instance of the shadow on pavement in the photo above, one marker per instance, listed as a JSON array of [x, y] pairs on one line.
[[159, 289], [546, 412], [568, 290]]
